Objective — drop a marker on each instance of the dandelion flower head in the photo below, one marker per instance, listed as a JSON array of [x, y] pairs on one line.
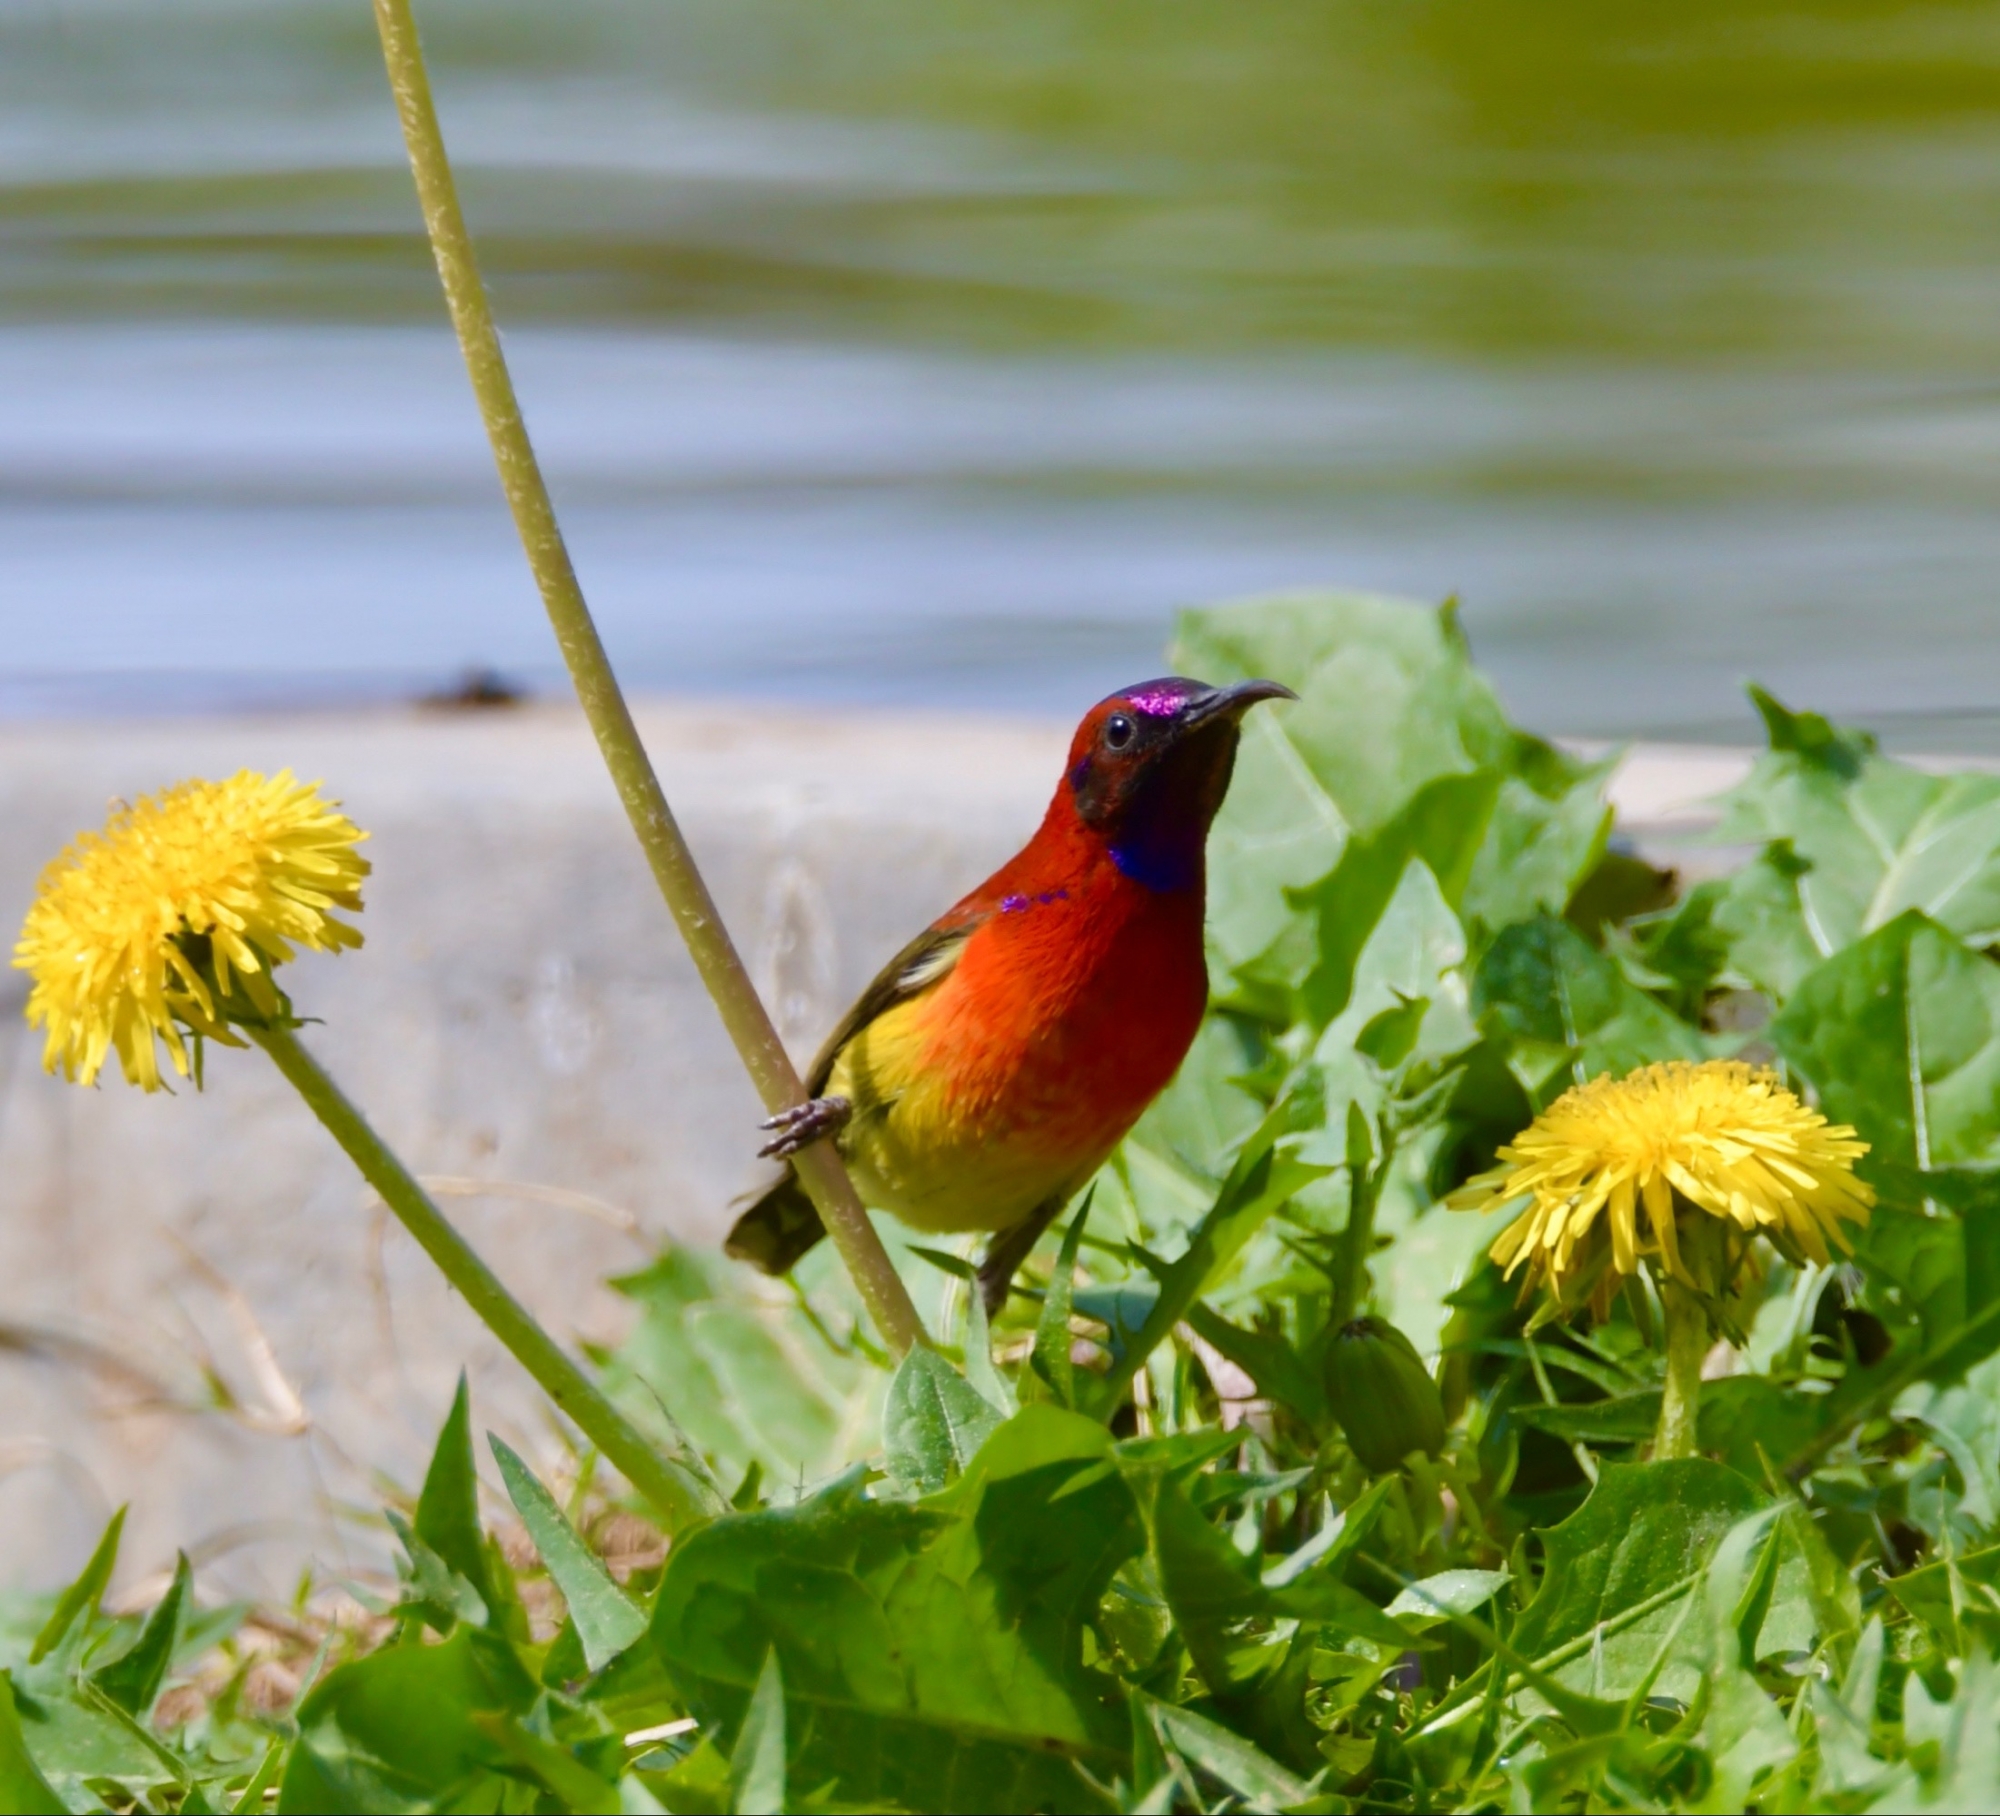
[[239, 874], [1723, 1137]]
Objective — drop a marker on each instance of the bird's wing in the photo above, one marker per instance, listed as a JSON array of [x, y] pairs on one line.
[[925, 961]]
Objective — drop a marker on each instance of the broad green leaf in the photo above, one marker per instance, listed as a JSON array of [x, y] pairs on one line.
[[1546, 988], [1620, 1419], [1440, 828], [434, 1592], [1964, 1420], [1387, 699], [1838, 750], [1262, 1178], [1753, 1423], [933, 1421], [1856, 839], [1843, 1720], [1051, 1357], [932, 1655], [577, 1788], [1276, 1367], [748, 1381], [1686, 948], [1414, 952], [1388, 702], [1964, 1767], [78, 1737], [1449, 1592], [1900, 1036], [83, 1595], [1768, 936], [1635, 1545], [757, 1766], [1538, 850], [1936, 1592], [133, 1680], [1258, 1779], [980, 1374], [1813, 1601], [607, 1619], [1743, 1730], [1931, 1256], [397, 1731], [22, 1786], [448, 1509], [1211, 1587]]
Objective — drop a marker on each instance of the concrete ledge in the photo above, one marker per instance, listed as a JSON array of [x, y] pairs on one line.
[[200, 1311]]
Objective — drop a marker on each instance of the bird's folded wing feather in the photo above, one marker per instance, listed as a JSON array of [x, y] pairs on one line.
[[926, 961]]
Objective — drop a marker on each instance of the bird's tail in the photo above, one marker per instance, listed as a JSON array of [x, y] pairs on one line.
[[777, 1230]]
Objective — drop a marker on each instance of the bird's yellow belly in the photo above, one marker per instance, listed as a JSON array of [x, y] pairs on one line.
[[917, 1147]]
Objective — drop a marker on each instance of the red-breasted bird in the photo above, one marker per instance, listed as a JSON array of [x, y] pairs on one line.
[[991, 1068]]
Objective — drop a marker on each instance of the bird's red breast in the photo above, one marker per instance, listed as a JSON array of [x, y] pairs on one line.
[[998, 1060]]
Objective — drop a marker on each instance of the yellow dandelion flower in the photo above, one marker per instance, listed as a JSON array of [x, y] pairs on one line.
[[182, 903], [1722, 1137]]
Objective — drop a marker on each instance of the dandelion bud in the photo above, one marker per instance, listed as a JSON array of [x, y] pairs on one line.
[[1383, 1395]]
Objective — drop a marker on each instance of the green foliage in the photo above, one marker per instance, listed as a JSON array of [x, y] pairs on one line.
[[1157, 1542]]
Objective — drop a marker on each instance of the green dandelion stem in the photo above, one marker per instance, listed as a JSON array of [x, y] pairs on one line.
[[1687, 1347], [743, 1013], [675, 1491]]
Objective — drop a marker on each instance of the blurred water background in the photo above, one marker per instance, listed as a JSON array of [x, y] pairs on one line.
[[891, 351]]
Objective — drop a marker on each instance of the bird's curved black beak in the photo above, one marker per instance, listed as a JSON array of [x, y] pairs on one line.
[[1229, 702]]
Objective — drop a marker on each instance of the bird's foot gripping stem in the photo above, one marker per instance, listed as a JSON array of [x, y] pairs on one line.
[[804, 1124]]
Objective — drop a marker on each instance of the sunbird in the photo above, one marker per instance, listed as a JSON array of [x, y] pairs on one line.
[[998, 1059]]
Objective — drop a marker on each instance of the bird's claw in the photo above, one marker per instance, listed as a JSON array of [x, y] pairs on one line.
[[802, 1125]]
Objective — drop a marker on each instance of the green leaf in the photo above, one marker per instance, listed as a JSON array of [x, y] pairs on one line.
[[1687, 948], [397, 1730], [1837, 749], [132, 1681], [933, 1421], [1900, 1036], [22, 1786], [1262, 1178], [1544, 985], [1268, 1360], [579, 1789], [1743, 1730], [1441, 828], [1387, 703], [932, 1655], [1051, 1356], [1542, 851], [1449, 1592], [607, 1619], [1619, 1419], [757, 1766], [1964, 1421], [250, 1801], [83, 1595], [746, 1380], [1619, 1562], [1211, 1587], [1253, 1775], [1852, 840], [448, 1509], [1415, 954], [981, 1376], [1753, 1423], [1935, 1592]]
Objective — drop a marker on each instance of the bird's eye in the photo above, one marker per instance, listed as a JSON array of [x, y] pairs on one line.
[[1119, 731]]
